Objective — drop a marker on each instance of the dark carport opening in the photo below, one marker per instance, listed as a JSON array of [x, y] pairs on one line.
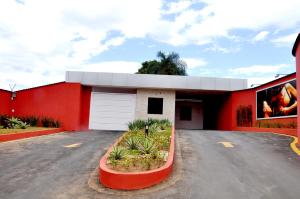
[[198, 109]]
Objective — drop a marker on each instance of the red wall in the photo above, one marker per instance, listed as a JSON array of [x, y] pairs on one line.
[[227, 114], [298, 83], [85, 107], [224, 116], [5, 102], [60, 101]]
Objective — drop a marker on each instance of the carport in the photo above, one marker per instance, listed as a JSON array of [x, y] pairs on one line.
[[198, 109]]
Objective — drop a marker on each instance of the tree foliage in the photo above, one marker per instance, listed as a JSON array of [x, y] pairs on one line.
[[166, 65]]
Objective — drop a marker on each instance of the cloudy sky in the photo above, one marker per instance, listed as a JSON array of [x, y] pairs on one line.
[[40, 40]]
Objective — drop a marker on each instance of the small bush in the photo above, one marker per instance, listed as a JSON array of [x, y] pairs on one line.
[[153, 124], [136, 125], [147, 147], [4, 121], [15, 123], [116, 154], [152, 121], [164, 124], [3, 118], [55, 124], [49, 122], [154, 128], [132, 143], [46, 122], [31, 120]]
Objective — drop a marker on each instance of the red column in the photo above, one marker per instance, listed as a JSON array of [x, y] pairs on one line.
[[296, 53]]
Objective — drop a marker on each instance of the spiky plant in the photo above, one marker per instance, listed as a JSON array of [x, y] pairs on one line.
[[136, 125], [147, 147], [132, 143], [117, 153]]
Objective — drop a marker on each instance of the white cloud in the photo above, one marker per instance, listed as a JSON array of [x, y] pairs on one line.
[[41, 39], [177, 7], [25, 77], [260, 74], [219, 18], [193, 63], [258, 69], [216, 48], [286, 40], [261, 36]]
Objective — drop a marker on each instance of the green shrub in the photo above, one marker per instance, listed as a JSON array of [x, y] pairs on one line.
[[15, 123], [132, 143], [117, 153], [31, 120], [49, 122], [164, 124], [55, 124], [152, 121], [4, 121], [154, 128], [147, 146], [136, 125], [153, 124], [46, 122]]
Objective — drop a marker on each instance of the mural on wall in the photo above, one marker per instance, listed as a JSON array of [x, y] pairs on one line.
[[244, 116], [277, 101]]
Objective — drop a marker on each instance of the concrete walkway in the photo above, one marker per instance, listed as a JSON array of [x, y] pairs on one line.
[[59, 166]]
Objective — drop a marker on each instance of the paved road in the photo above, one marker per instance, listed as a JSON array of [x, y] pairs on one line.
[[42, 167], [258, 166]]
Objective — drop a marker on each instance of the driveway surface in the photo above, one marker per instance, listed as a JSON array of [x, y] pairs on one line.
[[59, 166]]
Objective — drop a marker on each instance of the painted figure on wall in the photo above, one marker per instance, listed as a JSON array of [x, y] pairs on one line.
[[277, 101]]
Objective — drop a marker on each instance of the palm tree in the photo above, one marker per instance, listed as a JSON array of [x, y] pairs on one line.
[[171, 64], [167, 65]]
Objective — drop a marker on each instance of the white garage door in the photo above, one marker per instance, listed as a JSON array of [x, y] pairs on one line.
[[111, 111]]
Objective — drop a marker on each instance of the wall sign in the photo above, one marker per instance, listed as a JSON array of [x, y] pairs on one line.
[[277, 101]]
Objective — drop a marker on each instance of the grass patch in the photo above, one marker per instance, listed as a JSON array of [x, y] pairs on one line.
[[140, 153], [29, 129]]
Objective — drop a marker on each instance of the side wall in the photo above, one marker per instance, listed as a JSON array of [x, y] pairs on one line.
[[85, 107], [232, 102], [196, 121], [5, 102], [298, 84], [142, 104], [60, 101]]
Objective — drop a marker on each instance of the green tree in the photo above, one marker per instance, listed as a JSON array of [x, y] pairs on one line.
[[166, 65]]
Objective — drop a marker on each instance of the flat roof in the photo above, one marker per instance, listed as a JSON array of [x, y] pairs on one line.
[[174, 82]]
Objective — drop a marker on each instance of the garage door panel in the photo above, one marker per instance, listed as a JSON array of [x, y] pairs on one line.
[[126, 107], [111, 111]]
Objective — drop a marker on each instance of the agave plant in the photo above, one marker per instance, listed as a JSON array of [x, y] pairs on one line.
[[136, 125], [15, 123], [147, 147], [154, 128], [132, 143], [164, 124], [117, 153]]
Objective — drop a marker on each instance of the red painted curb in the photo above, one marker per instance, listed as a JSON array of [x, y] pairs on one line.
[[284, 131], [135, 180], [17, 136]]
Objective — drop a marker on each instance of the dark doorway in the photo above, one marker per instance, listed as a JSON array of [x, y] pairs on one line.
[[198, 109]]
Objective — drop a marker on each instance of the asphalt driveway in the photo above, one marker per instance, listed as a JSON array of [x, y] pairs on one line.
[[59, 166]]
